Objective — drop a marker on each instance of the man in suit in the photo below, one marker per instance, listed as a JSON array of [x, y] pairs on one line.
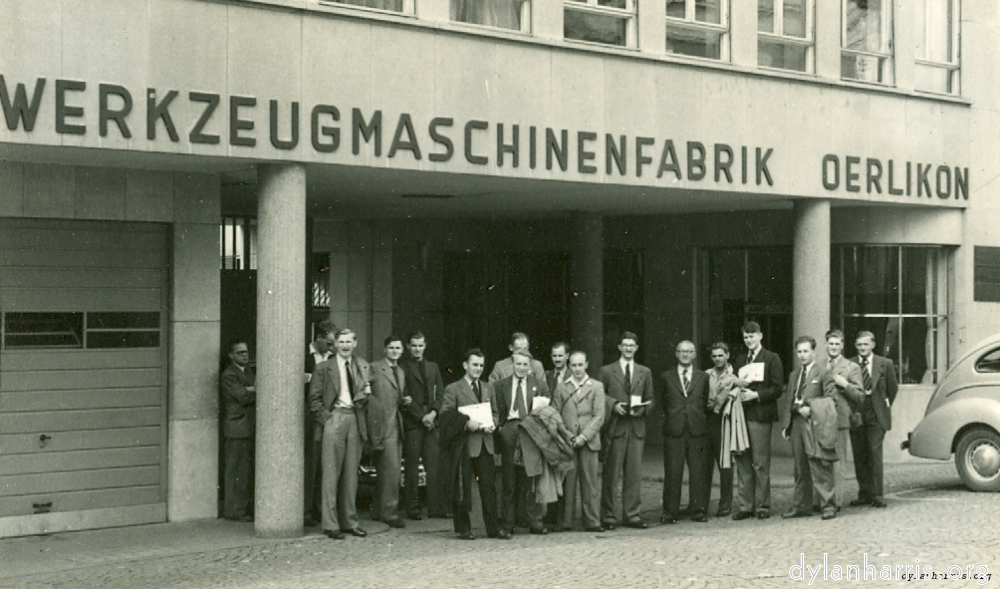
[[879, 382], [685, 436], [760, 405], [420, 439], [850, 392], [721, 381], [559, 373], [582, 403], [382, 413], [470, 390], [504, 368], [515, 396], [339, 389], [318, 352], [629, 390], [239, 399], [813, 463]]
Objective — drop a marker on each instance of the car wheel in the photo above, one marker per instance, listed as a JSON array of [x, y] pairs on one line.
[[977, 458]]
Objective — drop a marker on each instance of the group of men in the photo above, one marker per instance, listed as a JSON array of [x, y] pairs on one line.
[[399, 408]]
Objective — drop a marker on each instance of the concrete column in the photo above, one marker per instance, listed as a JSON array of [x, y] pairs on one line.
[[280, 341], [586, 276], [811, 271]]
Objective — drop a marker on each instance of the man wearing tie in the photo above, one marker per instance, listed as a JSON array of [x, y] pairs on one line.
[[515, 396], [760, 405], [850, 393], [319, 351], [469, 390], [685, 436], [879, 381], [384, 427], [338, 391], [560, 371], [239, 404], [420, 439], [518, 343], [629, 390]]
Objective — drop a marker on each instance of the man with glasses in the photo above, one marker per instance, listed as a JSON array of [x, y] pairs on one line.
[[239, 403]]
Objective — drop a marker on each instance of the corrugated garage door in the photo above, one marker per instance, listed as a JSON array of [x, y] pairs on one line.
[[82, 375]]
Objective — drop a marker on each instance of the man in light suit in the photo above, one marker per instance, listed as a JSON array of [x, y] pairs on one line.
[[850, 393], [629, 390], [470, 390], [318, 352], [239, 419], [420, 437], [760, 405], [582, 403], [515, 396], [385, 428], [504, 368], [808, 384], [879, 382], [685, 436], [339, 389]]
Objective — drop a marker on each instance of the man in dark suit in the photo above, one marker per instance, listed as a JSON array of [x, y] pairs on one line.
[[560, 371], [879, 380], [629, 390], [318, 352], [470, 390], [515, 396], [504, 368], [685, 436], [339, 389], [385, 427], [760, 405], [850, 393], [239, 404], [420, 439]]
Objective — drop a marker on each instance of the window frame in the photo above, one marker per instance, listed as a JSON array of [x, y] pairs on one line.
[[778, 36], [954, 67], [409, 7], [690, 23], [525, 20], [630, 13], [886, 48]]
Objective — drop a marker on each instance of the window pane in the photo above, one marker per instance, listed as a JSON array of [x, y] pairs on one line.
[[934, 79], [396, 5], [43, 330], [123, 339], [794, 23], [596, 28], [503, 14], [870, 280], [675, 8], [123, 321], [765, 16], [918, 281], [917, 356], [936, 19], [780, 55], [708, 11], [861, 67], [885, 330], [699, 43], [863, 27]]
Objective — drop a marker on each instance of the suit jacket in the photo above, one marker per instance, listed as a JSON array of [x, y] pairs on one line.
[[382, 408], [324, 389], [550, 379], [505, 368], [819, 385], [426, 390], [239, 405], [617, 391], [684, 412], [850, 397], [459, 394], [583, 413], [502, 389], [765, 408], [884, 388]]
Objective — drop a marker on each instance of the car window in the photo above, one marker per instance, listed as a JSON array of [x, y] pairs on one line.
[[990, 362]]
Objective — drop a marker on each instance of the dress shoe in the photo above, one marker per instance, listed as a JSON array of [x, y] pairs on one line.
[[723, 513], [637, 524], [829, 514], [415, 515], [794, 514], [466, 536], [741, 515], [700, 519], [396, 523], [539, 531], [879, 503], [333, 535], [597, 529], [501, 535], [763, 515], [360, 533], [608, 526], [666, 518], [859, 502]]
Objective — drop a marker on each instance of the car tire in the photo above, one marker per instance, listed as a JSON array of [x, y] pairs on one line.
[[977, 458]]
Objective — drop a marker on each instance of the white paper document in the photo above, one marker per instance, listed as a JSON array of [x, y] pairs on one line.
[[753, 372], [539, 403], [636, 401], [481, 412]]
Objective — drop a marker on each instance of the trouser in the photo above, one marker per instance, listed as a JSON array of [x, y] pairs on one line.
[[753, 468], [484, 469], [341, 455], [518, 505], [866, 442], [715, 461], [677, 451], [812, 475], [586, 473], [840, 467], [313, 497], [422, 443], [623, 464], [387, 483], [239, 455]]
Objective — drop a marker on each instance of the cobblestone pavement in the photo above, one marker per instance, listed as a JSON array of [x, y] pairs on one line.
[[930, 517]]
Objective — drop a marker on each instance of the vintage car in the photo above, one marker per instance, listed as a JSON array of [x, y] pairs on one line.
[[963, 418]]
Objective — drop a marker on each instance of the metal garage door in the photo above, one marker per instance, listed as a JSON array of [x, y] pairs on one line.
[[82, 375]]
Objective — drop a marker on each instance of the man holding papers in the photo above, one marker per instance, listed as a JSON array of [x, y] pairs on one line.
[[475, 398]]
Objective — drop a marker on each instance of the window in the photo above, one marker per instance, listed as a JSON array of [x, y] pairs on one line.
[[391, 5], [698, 28], [937, 45], [500, 14], [989, 363], [43, 330], [900, 294], [238, 243], [866, 41], [986, 274], [92, 330], [609, 22], [785, 34]]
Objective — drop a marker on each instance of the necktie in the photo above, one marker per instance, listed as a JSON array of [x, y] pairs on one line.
[[802, 384], [686, 381], [396, 372], [519, 405], [350, 377], [628, 374], [866, 376], [478, 391]]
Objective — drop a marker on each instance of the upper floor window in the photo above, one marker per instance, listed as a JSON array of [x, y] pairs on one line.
[[699, 28], [937, 45], [501, 14], [609, 22], [785, 34], [866, 41], [391, 5]]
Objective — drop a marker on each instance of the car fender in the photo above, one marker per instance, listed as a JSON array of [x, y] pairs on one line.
[[934, 436]]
